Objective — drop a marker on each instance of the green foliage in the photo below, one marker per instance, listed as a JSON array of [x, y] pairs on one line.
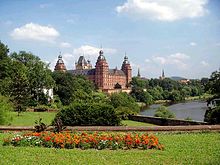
[[71, 88], [141, 96], [212, 116], [123, 112], [40, 126], [214, 83], [88, 114], [124, 100], [37, 74], [5, 108], [163, 112], [176, 96], [19, 86]]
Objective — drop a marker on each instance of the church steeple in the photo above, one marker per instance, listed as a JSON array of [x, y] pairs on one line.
[[163, 75], [138, 74]]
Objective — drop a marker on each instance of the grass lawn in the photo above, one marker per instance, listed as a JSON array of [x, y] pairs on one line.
[[29, 118], [135, 123], [184, 148]]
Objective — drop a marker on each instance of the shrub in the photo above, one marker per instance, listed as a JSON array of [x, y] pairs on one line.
[[212, 116], [88, 114], [5, 107], [163, 112]]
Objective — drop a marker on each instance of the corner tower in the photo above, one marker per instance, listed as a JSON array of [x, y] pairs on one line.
[[60, 66], [101, 71], [126, 68]]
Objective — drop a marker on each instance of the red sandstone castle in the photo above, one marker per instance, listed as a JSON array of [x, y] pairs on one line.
[[107, 80]]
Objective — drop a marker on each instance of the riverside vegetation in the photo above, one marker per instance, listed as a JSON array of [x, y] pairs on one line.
[[24, 78]]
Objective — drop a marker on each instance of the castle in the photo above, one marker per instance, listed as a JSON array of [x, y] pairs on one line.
[[105, 79]]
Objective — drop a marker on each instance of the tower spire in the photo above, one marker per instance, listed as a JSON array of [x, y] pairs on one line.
[[138, 74], [163, 75]]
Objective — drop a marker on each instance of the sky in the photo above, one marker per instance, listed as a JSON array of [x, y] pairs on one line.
[[180, 36]]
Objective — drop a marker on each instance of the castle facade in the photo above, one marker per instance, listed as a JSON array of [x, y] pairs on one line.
[[105, 79]]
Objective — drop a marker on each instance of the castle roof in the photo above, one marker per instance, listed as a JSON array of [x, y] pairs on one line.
[[117, 72], [82, 72], [82, 60]]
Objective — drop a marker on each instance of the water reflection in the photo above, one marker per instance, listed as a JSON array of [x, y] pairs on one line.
[[193, 109]]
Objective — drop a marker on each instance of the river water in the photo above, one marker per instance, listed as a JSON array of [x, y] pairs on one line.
[[192, 109]]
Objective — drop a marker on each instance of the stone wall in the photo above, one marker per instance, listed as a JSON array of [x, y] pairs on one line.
[[164, 122]]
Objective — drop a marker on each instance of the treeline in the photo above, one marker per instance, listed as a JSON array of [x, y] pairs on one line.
[[148, 91]]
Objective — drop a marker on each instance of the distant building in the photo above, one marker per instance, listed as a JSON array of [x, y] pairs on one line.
[[107, 80], [184, 81]]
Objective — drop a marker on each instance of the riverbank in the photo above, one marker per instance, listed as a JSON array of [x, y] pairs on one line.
[[194, 110]]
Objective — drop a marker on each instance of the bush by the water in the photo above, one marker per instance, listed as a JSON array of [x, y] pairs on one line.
[[212, 116], [5, 108], [88, 114], [163, 112]]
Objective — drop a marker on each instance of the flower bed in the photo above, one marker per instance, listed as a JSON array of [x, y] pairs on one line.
[[85, 140]]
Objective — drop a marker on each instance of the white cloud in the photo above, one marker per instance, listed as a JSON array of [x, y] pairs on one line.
[[204, 63], [32, 31], [193, 44], [163, 10], [45, 5], [160, 60], [65, 45], [178, 59], [92, 51], [147, 60], [179, 56]]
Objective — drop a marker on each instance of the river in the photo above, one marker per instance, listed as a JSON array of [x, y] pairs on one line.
[[194, 110]]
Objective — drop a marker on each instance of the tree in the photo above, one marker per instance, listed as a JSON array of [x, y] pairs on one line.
[[38, 75], [214, 83], [5, 108], [175, 96], [5, 70], [19, 86], [163, 112], [124, 100], [71, 88]]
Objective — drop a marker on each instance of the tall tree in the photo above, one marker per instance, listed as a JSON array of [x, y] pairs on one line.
[[5, 69], [214, 83], [38, 75], [19, 86]]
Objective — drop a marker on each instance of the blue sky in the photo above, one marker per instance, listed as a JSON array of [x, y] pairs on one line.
[[180, 36]]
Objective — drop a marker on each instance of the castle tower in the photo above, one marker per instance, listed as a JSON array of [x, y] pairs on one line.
[[83, 64], [101, 72], [126, 68], [60, 66]]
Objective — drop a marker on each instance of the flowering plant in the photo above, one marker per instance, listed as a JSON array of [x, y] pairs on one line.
[[86, 140]]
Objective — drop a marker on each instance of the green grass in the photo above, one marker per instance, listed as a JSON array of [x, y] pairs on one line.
[[185, 148], [135, 123], [29, 118]]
